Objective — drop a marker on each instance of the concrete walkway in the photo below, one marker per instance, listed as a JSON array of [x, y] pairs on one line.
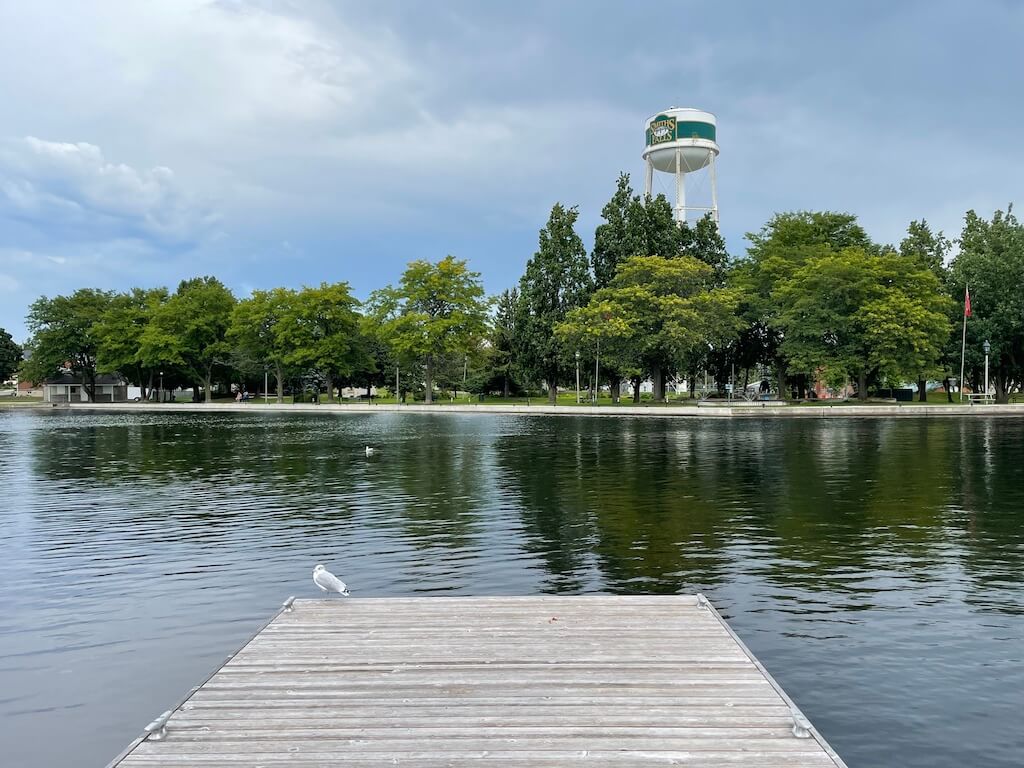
[[750, 410]]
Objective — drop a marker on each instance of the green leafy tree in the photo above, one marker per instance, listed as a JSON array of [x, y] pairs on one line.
[[63, 335], [854, 313], [10, 356], [119, 333], [614, 239], [436, 311], [705, 243], [929, 250], [991, 261], [257, 332], [320, 332], [656, 313], [505, 341], [782, 246], [189, 331], [557, 281]]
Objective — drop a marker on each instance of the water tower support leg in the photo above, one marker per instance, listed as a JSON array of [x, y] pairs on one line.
[[649, 180], [680, 189], [714, 189]]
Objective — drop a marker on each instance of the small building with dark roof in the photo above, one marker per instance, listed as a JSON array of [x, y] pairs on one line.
[[68, 388]]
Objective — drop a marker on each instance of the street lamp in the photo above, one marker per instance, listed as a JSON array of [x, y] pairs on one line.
[[577, 377], [988, 348], [161, 386], [597, 370]]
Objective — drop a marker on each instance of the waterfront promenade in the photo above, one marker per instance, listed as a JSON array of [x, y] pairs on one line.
[[747, 410]]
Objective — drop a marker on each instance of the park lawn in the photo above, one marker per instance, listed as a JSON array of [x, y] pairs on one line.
[[20, 401]]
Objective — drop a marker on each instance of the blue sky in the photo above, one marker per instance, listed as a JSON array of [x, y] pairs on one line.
[[282, 143]]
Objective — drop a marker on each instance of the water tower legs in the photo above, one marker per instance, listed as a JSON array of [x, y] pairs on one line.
[[680, 188], [714, 190], [649, 181]]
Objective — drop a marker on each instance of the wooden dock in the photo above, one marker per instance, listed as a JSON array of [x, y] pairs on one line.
[[514, 682]]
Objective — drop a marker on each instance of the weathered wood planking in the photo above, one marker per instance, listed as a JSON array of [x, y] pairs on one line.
[[514, 682]]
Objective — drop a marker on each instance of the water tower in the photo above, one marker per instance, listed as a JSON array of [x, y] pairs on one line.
[[681, 141]]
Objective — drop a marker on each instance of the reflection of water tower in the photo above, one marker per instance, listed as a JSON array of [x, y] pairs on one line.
[[682, 141]]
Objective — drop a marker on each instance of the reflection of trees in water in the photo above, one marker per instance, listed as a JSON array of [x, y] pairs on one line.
[[444, 479], [987, 472], [646, 505]]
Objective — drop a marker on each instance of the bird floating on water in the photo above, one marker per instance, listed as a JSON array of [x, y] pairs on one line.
[[369, 451], [328, 582]]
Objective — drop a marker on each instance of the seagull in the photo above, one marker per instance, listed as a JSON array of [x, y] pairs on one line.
[[369, 451], [328, 582]]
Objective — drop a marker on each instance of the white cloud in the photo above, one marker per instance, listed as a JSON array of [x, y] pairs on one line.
[[73, 189]]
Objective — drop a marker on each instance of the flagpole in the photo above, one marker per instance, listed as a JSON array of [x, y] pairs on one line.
[[963, 342]]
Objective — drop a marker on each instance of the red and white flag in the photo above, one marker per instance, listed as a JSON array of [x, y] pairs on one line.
[[967, 302]]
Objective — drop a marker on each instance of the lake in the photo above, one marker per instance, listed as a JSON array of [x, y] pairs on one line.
[[876, 567]]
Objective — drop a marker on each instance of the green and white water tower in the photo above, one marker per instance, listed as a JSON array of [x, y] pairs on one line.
[[682, 141]]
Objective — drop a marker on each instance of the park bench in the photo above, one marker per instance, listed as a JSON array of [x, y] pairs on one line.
[[981, 397]]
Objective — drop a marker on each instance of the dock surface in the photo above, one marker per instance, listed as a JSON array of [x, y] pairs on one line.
[[514, 682]]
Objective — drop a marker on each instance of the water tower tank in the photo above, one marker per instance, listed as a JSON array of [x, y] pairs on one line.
[[679, 141]]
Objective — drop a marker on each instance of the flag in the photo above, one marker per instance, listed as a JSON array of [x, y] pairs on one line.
[[967, 302]]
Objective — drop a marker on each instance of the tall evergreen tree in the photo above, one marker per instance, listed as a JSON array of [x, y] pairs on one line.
[[557, 280], [614, 240]]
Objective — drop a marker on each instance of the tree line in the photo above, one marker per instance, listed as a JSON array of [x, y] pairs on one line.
[[814, 298]]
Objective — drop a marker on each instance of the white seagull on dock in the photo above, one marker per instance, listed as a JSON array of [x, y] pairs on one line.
[[328, 582]]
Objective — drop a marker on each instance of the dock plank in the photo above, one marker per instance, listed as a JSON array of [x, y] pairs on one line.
[[514, 682]]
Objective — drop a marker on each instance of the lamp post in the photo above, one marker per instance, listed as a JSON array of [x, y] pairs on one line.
[[161, 386], [266, 382], [397, 402], [597, 370], [577, 377], [988, 348]]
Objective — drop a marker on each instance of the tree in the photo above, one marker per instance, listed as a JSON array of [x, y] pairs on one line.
[[782, 246], [320, 332], [991, 261], [927, 250], [556, 281], [63, 336], [656, 313], [190, 331], [10, 356], [119, 333], [614, 240], [257, 331], [505, 341], [704, 242], [855, 313], [436, 310]]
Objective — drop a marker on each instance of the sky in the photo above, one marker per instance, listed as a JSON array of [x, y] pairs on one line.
[[290, 142]]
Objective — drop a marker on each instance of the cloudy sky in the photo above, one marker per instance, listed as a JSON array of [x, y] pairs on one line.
[[283, 142]]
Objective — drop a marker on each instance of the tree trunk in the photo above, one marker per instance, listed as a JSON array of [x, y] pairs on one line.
[[780, 374], [659, 383], [280, 385], [207, 386], [636, 389], [691, 384], [147, 388], [553, 387], [862, 385], [1002, 391], [428, 371], [615, 388], [369, 391], [746, 380], [505, 387], [947, 386], [922, 390]]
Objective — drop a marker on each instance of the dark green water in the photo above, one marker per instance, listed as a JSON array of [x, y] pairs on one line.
[[875, 567]]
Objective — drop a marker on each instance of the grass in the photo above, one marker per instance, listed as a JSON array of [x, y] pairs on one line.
[[19, 401]]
